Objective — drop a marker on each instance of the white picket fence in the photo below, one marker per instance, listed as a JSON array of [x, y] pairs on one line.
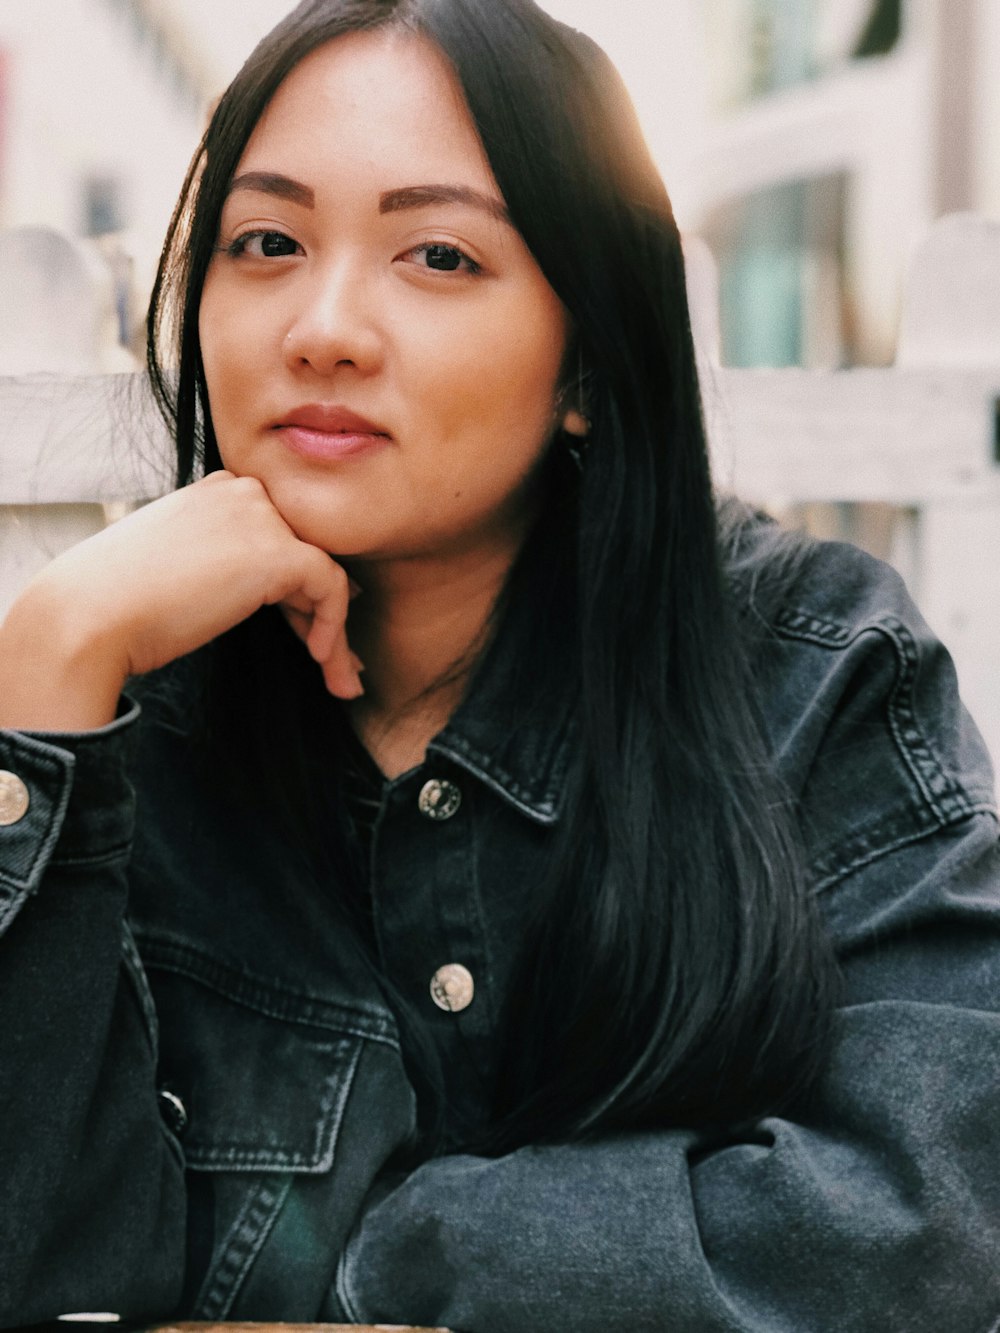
[[923, 435]]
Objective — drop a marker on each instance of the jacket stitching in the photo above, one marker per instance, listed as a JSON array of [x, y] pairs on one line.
[[10, 909], [108, 857], [290, 1006], [342, 1285], [330, 1115], [941, 793], [837, 871], [246, 1238], [941, 801], [51, 820], [134, 970], [499, 780]]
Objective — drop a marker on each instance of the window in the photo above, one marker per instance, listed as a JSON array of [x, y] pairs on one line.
[[882, 31], [758, 47], [783, 299], [103, 206]]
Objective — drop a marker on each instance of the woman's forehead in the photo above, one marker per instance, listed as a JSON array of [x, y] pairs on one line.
[[383, 105]]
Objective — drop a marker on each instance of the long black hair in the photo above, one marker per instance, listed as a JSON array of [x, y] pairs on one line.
[[675, 973]]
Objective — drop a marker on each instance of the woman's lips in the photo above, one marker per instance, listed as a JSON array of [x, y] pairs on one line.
[[329, 444], [329, 433]]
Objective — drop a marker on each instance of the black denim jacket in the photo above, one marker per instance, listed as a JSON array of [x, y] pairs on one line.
[[203, 1097]]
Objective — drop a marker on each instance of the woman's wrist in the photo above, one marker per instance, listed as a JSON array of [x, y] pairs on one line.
[[57, 671]]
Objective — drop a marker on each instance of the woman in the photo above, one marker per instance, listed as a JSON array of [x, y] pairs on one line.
[[479, 961]]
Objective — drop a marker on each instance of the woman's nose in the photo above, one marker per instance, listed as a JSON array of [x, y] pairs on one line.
[[334, 322]]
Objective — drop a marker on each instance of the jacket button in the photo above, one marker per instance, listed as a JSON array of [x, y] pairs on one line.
[[439, 799], [14, 799], [452, 987], [172, 1111]]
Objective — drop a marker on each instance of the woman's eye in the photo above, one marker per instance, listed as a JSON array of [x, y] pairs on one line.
[[443, 258], [264, 245]]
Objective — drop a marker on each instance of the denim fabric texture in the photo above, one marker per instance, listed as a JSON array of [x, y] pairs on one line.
[[157, 938]]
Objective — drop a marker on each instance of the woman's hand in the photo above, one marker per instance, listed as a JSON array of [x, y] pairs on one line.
[[156, 585]]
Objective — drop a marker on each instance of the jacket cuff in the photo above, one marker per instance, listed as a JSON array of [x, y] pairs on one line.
[[64, 796]]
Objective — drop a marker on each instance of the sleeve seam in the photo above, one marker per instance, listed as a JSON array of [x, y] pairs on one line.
[[827, 880], [941, 793]]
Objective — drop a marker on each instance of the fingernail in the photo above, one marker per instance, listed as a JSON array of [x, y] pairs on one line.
[[356, 662]]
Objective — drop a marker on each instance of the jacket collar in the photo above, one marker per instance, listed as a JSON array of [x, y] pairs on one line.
[[527, 769], [515, 728]]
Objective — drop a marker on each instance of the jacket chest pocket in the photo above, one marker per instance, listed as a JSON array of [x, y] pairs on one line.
[[260, 1093], [264, 1080]]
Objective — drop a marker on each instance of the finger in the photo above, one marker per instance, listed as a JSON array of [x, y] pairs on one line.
[[323, 648], [300, 621], [327, 588], [322, 639], [341, 686], [327, 643]]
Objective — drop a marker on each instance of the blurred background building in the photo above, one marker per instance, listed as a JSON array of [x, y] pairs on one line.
[[839, 130], [836, 132], [100, 104]]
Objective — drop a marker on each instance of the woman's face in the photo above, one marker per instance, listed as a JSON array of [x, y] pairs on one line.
[[381, 349]]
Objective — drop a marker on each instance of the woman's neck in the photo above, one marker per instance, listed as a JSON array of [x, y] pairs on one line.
[[419, 627]]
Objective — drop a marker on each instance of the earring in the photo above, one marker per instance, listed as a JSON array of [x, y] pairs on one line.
[[576, 430], [575, 423]]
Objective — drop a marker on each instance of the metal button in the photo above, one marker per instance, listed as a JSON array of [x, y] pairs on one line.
[[173, 1111], [439, 799], [14, 800], [452, 987]]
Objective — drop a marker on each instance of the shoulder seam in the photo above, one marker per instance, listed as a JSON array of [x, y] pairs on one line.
[[947, 799]]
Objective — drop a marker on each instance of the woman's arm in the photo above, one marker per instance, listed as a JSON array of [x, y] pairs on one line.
[[92, 1184], [93, 1208], [155, 586], [879, 1208]]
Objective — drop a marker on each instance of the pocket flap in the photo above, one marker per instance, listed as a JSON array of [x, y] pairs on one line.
[[262, 1092]]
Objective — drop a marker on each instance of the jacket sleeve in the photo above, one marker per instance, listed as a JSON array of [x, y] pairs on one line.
[[91, 1182], [880, 1209]]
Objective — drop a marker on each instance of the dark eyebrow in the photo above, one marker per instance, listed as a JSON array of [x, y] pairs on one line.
[[270, 182], [422, 196]]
